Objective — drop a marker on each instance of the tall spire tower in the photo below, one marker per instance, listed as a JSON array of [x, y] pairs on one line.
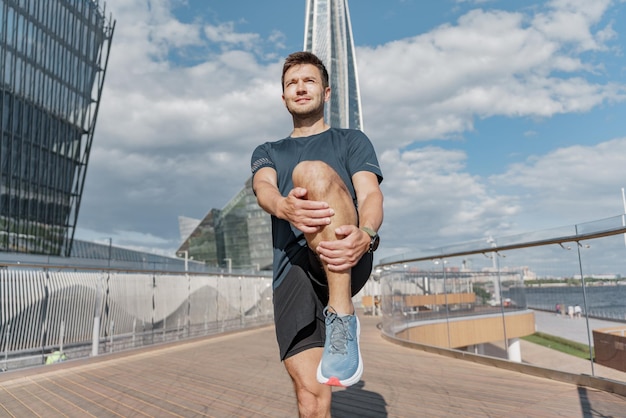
[[328, 34]]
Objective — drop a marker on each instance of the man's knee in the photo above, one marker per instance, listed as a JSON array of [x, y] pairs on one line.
[[318, 178], [307, 172], [313, 404], [313, 397]]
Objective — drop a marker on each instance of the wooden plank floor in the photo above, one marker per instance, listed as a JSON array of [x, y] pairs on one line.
[[239, 375]]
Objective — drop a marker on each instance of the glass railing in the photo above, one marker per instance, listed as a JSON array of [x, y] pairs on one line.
[[49, 313], [548, 298]]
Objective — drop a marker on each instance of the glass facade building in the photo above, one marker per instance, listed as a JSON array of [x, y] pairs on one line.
[[53, 58], [328, 34], [239, 236]]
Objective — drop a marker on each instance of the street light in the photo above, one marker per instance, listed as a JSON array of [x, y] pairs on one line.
[[188, 316], [186, 253]]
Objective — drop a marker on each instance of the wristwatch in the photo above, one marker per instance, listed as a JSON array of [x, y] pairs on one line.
[[375, 239]]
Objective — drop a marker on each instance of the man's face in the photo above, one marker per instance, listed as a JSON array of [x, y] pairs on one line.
[[303, 92]]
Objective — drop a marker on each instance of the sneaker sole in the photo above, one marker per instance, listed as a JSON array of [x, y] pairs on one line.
[[334, 381]]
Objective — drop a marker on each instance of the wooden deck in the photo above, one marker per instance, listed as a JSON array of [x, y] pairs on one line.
[[240, 375]]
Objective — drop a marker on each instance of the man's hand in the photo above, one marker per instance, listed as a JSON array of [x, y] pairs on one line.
[[309, 216], [345, 252]]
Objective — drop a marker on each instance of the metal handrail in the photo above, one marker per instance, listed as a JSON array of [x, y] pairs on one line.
[[496, 248]]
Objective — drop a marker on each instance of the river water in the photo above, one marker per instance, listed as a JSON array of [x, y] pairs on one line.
[[602, 301]]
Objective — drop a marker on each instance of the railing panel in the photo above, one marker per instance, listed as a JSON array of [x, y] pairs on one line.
[[43, 311], [567, 287]]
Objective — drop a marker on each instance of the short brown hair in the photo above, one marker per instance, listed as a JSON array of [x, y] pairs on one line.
[[304, 57]]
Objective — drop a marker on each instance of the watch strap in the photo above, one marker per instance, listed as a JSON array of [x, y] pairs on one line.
[[369, 231]]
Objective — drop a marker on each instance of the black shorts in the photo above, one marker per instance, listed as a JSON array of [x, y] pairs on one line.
[[299, 302]]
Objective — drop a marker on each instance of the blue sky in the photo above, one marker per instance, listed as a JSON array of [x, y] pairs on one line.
[[491, 118]]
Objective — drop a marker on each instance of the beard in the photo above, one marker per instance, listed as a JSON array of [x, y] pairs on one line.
[[307, 112]]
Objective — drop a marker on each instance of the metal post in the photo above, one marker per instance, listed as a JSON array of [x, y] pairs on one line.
[[188, 315], [186, 254], [61, 336], [7, 334], [241, 313], [110, 251], [506, 340], [624, 215], [582, 283], [188, 320], [154, 285], [111, 336], [495, 265], [445, 295], [95, 337]]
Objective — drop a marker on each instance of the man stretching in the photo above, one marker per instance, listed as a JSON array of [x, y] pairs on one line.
[[321, 186]]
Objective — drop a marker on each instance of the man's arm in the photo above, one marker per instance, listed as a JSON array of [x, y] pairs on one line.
[[370, 200], [306, 215], [264, 184]]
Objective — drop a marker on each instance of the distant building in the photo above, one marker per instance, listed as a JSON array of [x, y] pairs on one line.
[[239, 235], [328, 34], [202, 242], [524, 271], [186, 226], [53, 59]]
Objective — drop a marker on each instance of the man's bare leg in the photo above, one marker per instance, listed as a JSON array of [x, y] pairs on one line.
[[324, 184], [313, 397], [340, 363]]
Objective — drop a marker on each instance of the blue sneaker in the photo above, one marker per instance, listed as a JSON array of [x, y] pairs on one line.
[[341, 363]]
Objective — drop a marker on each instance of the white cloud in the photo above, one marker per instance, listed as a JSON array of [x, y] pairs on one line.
[[571, 184], [570, 21], [176, 140], [200, 104], [225, 33], [490, 63], [130, 239], [429, 194], [145, 33]]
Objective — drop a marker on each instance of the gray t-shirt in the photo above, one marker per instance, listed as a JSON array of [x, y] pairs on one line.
[[347, 151]]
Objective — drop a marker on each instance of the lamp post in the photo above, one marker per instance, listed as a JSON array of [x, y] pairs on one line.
[[496, 270], [188, 316], [445, 295], [186, 253]]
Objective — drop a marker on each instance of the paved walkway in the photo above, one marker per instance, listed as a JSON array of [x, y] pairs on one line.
[[239, 375], [571, 329]]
